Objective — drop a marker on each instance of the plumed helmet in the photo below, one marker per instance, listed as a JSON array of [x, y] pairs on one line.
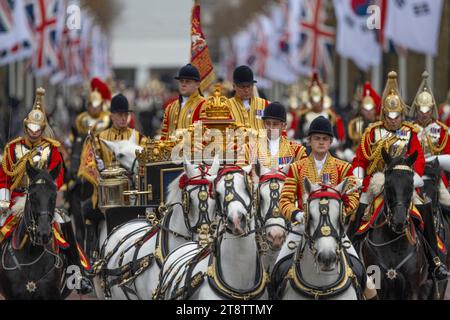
[[370, 99], [424, 100], [36, 120], [315, 90], [392, 103]]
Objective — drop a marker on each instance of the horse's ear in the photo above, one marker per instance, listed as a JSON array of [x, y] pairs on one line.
[[412, 158], [54, 173], [132, 138], [386, 157], [189, 168], [31, 171], [108, 144]]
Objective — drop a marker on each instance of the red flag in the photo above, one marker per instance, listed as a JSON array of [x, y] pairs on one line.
[[200, 57]]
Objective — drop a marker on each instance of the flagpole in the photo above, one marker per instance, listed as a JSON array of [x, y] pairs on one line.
[[343, 82], [429, 63], [377, 72], [403, 72], [12, 79], [21, 80]]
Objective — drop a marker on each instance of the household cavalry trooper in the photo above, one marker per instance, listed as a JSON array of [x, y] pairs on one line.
[[316, 108], [185, 110], [42, 152], [97, 115], [368, 112], [398, 138]]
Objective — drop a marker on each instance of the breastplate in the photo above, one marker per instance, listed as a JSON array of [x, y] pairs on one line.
[[430, 134], [397, 142], [40, 160]]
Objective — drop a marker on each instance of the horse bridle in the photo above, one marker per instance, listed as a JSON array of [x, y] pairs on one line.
[[406, 204], [31, 226], [324, 228], [206, 191], [273, 179], [230, 193]]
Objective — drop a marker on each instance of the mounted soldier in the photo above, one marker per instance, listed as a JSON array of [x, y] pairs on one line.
[[42, 152], [316, 108], [398, 138]]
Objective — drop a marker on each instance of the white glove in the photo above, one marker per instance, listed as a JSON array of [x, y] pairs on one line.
[[358, 172], [100, 164], [4, 200], [299, 217], [418, 181]]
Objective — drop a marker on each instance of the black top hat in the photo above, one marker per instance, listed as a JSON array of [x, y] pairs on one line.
[[276, 111], [321, 125], [188, 72], [243, 75], [119, 103]]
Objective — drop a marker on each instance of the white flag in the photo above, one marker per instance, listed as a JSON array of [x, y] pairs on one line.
[[355, 40], [414, 24], [15, 35]]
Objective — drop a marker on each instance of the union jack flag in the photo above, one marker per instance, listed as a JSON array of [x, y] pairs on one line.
[[46, 18], [316, 39], [15, 38]]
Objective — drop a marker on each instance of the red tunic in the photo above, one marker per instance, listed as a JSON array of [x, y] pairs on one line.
[[370, 143], [52, 160]]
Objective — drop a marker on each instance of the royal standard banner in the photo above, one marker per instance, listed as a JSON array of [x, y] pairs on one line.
[[200, 57], [88, 168]]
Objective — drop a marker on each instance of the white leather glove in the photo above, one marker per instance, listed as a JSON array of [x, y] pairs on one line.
[[358, 172], [4, 200], [418, 181], [100, 164]]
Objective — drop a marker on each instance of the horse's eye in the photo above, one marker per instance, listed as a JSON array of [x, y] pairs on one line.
[[120, 155]]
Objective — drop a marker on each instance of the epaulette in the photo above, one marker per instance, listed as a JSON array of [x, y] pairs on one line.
[[411, 125], [443, 125], [374, 125], [15, 140], [53, 142]]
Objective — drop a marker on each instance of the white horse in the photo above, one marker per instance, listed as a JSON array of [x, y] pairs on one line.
[[231, 262], [271, 183], [145, 245], [319, 269], [125, 151]]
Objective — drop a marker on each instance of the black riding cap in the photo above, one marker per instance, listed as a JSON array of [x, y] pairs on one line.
[[188, 72], [119, 103], [276, 111], [321, 125], [243, 75]]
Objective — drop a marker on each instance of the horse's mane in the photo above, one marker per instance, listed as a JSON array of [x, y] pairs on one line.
[[174, 194]]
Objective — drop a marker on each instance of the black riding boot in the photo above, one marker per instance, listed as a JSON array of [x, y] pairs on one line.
[[73, 257], [438, 269], [91, 240]]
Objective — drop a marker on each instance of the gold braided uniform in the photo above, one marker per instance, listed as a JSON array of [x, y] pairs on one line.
[[433, 138], [177, 117], [288, 152], [251, 118], [334, 171], [84, 121]]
